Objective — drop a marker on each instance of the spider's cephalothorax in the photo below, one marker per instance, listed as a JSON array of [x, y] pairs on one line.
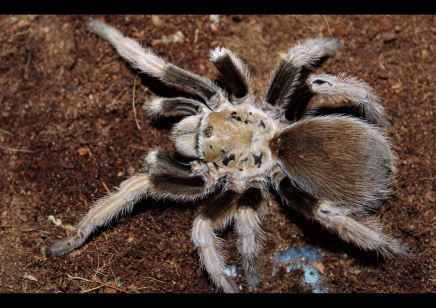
[[334, 169]]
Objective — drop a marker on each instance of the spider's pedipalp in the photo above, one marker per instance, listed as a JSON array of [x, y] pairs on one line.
[[214, 216], [146, 61], [176, 106], [339, 158], [248, 219], [350, 91], [186, 135], [365, 233], [289, 76], [165, 178], [233, 71]]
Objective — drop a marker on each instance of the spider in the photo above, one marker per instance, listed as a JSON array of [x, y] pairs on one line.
[[335, 169]]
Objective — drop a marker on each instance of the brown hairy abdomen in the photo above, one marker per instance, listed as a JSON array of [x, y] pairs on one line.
[[339, 158]]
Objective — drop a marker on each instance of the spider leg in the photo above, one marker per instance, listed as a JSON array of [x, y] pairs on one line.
[[248, 218], [166, 178], [366, 234], [215, 216], [352, 92], [178, 105], [233, 71], [293, 69], [146, 61]]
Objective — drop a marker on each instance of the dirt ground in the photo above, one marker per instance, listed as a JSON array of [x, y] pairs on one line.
[[68, 135]]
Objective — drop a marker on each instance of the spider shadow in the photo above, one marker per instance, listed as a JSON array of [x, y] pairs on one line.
[[317, 236]]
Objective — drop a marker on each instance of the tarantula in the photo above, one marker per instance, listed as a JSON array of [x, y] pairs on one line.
[[334, 169]]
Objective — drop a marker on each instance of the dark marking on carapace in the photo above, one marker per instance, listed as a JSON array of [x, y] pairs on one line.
[[257, 159], [235, 116], [243, 160], [227, 159], [262, 124], [208, 131]]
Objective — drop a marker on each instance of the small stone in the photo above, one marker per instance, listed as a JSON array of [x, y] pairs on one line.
[[131, 287], [22, 217], [389, 36], [382, 74], [157, 21], [318, 266], [82, 151], [23, 24], [429, 196], [385, 23]]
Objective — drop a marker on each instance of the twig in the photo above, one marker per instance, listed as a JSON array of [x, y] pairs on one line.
[[105, 186], [95, 281], [328, 27], [138, 148], [151, 278], [118, 96], [133, 103], [16, 150], [89, 290], [196, 36], [35, 230], [5, 131], [26, 71]]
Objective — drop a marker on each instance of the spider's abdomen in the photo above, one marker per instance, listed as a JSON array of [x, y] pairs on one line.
[[339, 158], [238, 140]]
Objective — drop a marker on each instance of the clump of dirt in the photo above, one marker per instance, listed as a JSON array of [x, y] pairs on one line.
[[68, 134]]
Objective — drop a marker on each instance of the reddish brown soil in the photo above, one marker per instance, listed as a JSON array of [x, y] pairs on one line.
[[68, 132]]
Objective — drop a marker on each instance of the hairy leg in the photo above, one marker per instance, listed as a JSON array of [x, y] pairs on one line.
[[365, 233], [166, 178], [216, 214], [146, 61], [351, 92], [248, 219], [233, 71], [298, 62]]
